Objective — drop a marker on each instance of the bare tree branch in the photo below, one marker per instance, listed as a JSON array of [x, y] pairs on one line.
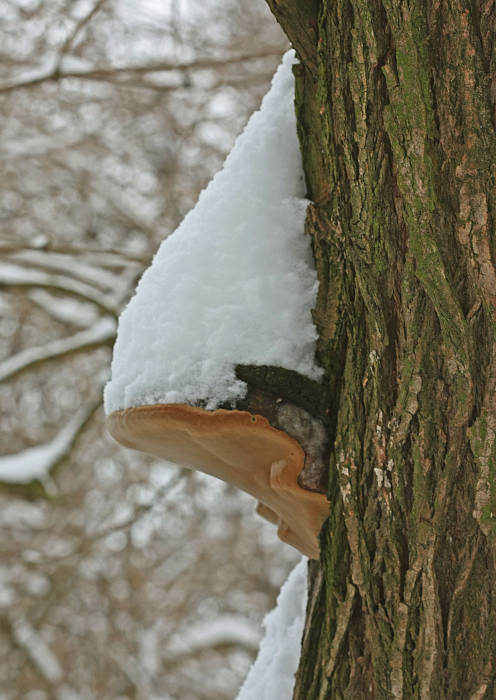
[[55, 73]]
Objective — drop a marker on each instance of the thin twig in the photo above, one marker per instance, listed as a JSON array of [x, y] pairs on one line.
[[80, 24]]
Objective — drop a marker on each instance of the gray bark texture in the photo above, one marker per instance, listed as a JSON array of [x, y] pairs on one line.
[[395, 102]]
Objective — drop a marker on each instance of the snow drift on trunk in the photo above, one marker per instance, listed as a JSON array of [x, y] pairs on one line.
[[272, 675], [234, 284]]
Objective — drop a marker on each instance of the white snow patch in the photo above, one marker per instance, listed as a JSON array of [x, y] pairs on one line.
[[272, 675], [234, 284]]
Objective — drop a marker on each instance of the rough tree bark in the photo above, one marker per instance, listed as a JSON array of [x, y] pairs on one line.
[[396, 111]]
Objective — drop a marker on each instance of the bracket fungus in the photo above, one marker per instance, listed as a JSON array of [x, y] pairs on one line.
[[222, 319], [238, 447]]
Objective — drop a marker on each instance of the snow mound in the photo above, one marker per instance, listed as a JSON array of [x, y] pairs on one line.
[[272, 675], [234, 284]]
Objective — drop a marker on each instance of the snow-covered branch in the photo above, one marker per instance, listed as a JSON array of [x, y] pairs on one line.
[[102, 333], [105, 258], [39, 461], [17, 276], [95, 276], [224, 630], [65, 309], [37, 650]]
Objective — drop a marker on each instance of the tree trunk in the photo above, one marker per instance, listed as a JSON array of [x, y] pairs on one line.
[[396, 115]]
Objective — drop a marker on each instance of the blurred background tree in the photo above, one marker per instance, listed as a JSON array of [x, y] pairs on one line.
[[120, 576]]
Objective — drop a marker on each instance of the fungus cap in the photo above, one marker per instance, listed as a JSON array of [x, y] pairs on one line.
[[238, 447]]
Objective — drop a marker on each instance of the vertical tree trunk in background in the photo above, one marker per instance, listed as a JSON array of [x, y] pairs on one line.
[[396, 109]]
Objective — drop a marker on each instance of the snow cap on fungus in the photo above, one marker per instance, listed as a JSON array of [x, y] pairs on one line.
[[235, 446], [234, 284]]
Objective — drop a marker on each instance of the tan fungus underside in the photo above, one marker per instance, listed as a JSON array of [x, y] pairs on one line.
[[239, 448]]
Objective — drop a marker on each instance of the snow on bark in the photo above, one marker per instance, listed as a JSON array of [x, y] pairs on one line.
[[272, 675], [235, 284]]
